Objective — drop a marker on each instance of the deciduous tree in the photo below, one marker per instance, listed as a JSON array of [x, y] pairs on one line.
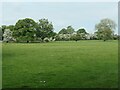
[[105, 29], [44, 29], [25, 30]]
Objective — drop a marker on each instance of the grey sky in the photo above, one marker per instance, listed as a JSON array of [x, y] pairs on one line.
[[61, 14]]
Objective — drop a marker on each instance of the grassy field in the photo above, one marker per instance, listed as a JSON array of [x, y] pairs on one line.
[[83, 64]]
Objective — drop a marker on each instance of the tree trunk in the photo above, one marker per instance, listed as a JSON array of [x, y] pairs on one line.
[[104, 40], [27, 41]]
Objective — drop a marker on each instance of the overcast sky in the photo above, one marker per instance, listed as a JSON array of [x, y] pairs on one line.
[[61, 14]]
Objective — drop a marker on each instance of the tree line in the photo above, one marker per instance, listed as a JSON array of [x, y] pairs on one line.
[[27, 30]]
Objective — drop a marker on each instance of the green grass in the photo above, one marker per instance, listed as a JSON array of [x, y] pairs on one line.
[[83, 64]]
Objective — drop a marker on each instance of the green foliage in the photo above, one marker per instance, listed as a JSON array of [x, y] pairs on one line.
[[63, 31], [76, 37], [10, 27], [82, 30], [0, 33], [25, 30], [68, 30], [44, 29], [28, 30], [105, 29], [3, 28], [115, 37]]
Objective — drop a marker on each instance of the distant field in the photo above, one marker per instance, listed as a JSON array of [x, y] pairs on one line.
[[83, 64]]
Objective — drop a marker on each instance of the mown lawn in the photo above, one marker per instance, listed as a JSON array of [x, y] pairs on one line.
[[83, 64]]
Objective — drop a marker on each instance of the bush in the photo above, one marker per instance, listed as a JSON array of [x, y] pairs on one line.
[[46, 40]]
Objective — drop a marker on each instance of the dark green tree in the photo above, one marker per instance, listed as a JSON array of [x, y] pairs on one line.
[[44, 29], [70, 30], [63, 31], [25, 30], [1, 34], [82, 32], [76, 37], [3, 28], [11, 27]]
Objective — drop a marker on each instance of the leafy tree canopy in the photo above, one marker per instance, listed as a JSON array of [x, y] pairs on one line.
[[68, 30], [25, 29], [82, 30], [44, 29], [105, 29]]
